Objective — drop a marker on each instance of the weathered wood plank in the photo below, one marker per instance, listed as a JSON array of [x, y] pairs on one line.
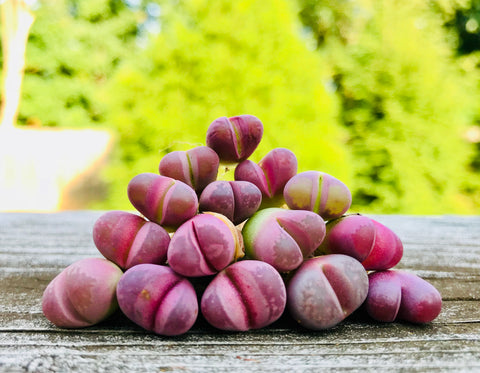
[[19, 317], [36, 247], [355, 342], [245, 351]]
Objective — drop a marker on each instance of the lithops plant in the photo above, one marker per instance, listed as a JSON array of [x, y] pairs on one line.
[[325, 290], [83, 294], [270, 175], [246, 295], [158, 299], [234, 139], [387, 250], [163, 200], [352, 235], [237, 200], [128, 239], [204, 245], [363, 238], [196, 167], [318, 192], [283, 238], [400, 295]]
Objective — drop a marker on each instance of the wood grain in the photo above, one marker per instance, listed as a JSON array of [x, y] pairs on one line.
[[34, 248]]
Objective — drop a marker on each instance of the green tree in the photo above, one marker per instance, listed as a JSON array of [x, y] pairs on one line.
[[462, 21], [405, 102], [237, 57], [73, 48], [462, 18]]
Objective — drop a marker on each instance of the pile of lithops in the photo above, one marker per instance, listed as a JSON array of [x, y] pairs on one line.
[[268, 242]]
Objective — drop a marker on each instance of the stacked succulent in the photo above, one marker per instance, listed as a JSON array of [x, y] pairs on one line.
[[269, 241]]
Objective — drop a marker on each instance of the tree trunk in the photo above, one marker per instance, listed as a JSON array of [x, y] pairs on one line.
[[17, 19]]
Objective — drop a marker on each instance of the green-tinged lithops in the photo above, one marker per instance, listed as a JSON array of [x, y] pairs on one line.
[[318, 192], [283, 238]]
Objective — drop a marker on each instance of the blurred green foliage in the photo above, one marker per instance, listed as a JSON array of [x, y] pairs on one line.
[[73, 49], [381, 94], [194, 71], [406, 102], [462, 20]]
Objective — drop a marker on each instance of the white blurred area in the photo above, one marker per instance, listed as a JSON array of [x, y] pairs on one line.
[[38, 166]]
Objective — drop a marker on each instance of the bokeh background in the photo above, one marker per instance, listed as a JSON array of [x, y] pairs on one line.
[[382, 94]]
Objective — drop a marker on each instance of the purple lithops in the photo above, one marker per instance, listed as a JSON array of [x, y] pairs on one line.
[[400, 295], [318, 192], [163, 200], [387, 250], [253, 245], [283, 238], [352, 235], [237, 200], [365, 239], [204, 245], [236, 138], [128, 239], [83, 294], [270, 174], [246, 295], [158, 299], [196, 167], [325, 290]]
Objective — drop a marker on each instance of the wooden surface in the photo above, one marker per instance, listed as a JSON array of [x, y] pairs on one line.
[[36, 247]]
